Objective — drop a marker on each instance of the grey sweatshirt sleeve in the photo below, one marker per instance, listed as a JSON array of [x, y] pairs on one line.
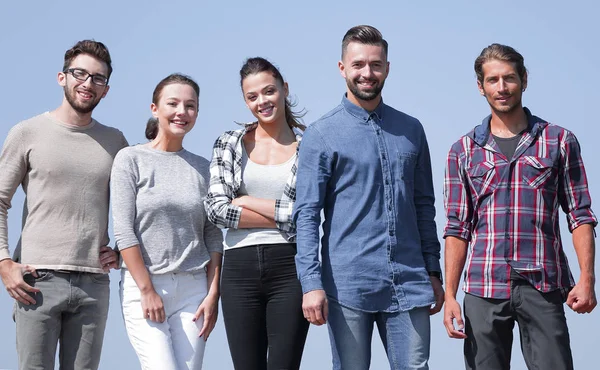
[[213, 237], [123, 197], [13, 168]]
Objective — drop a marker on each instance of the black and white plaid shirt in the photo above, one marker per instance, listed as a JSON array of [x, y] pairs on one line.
[[226, 179]]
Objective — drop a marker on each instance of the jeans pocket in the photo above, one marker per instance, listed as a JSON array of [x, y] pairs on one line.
[[102, 279], [199, 275], [43, 276]]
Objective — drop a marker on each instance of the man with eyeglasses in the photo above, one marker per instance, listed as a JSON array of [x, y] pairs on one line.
[[58, 277]]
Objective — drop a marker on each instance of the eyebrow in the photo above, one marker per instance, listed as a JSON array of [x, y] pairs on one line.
[[261, 89], [177, 99], [511, 74]]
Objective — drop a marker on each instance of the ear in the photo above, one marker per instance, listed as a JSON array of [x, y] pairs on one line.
[[524, 83], [480, 87], [286, 89], [154, 110], [62, 79], [387, 69], [342, 68], [106, 88]]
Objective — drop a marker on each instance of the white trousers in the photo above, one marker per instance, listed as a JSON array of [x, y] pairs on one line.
[[173, 344]]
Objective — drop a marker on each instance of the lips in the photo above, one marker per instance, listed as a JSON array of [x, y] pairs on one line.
[[179, 123], [367, 84], [85, 95], [266, 111]]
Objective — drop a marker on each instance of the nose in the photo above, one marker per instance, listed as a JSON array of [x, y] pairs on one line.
[[180, 109], [261, 99], [88, 82], [367, 71], [502, 85]]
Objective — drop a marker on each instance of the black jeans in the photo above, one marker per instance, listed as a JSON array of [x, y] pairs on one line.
[[543, 329], [262, 307]]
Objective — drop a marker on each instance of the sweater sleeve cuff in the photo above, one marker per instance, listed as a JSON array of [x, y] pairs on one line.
[[4, 254]]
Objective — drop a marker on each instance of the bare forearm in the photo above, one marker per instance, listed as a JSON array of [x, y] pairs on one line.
[[265, 207], [455, 254], [585, 247], [213, 274], [137, 268], [250, 219]]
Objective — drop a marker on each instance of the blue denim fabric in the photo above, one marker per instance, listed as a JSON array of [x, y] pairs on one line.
[[405, 336], [370, 173]]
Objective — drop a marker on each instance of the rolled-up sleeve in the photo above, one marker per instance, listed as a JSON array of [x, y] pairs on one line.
[[314, 172], [574, 195], [457, 200], [221, 192]]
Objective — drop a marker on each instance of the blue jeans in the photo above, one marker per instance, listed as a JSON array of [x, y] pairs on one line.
[[71, 308], [405, 336]]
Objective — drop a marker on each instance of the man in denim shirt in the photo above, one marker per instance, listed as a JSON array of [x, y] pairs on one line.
[[367, 167]]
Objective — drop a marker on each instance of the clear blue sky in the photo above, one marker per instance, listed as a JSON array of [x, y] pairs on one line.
[[432, 48]]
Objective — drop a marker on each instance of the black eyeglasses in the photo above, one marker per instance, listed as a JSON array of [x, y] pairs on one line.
[[82, 75]]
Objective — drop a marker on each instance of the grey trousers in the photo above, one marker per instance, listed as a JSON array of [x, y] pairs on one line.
[[71, 309], [543, 329]]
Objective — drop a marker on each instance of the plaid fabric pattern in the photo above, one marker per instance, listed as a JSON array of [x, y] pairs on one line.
[[508, 209], [226, 179]]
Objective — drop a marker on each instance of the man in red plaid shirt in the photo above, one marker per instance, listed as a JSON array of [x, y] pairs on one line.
[[503, 187]]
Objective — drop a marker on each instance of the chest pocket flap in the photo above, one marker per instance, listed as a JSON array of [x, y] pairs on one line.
[[537, 171], [482, 177]]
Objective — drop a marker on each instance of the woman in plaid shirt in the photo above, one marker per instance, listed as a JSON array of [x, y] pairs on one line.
[[251, 193]]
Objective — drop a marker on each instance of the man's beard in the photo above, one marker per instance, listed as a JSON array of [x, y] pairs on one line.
[[79, 107], [365, 95]]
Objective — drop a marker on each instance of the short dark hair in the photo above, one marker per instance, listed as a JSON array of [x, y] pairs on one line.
[[364, 34], [175, 78], [90, 47], [503, 53], [256, 65]]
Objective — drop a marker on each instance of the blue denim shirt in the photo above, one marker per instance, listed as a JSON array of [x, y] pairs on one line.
[[370, 173]]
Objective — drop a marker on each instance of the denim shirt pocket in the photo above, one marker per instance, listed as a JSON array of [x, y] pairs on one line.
[[483, 178], [406, 166], [538, 172]]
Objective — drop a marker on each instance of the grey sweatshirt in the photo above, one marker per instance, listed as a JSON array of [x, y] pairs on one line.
[[157, 203], [64, 171]]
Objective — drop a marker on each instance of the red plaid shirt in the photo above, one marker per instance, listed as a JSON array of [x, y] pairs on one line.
[[508, 209]]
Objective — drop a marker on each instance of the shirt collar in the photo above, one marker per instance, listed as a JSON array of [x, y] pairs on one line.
[[361, 113], [482, 132]]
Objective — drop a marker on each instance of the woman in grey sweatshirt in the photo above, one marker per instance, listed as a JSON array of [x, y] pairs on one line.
[[171, 252]]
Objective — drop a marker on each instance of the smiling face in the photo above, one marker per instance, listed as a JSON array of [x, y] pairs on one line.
[[176, 110], [265, 97], [502, 86], [84, 96], [365, 68]]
